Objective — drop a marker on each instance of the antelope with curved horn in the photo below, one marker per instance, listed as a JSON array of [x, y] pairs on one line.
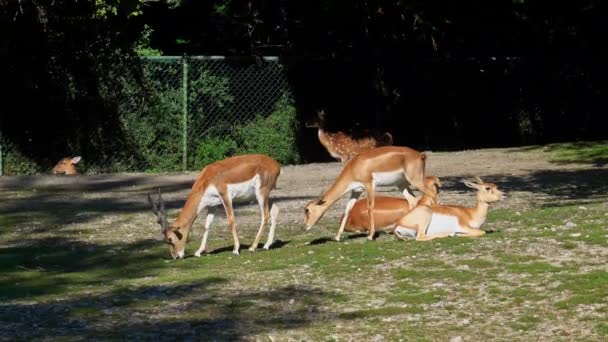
[[382, 166], [431, 222], [343, 146], [236, 179]]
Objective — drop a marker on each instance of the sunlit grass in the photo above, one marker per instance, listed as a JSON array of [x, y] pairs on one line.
[[308, 289]]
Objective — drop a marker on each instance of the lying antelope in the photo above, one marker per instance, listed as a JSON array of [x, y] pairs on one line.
[[388, 210], [235, 179], [430, 222], [343, 146], [67, 166], [383, 166]]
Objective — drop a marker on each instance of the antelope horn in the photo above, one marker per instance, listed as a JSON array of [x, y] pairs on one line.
[[478, 180]]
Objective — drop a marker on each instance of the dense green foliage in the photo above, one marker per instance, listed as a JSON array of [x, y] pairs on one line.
[[273, 135], [433, 73]]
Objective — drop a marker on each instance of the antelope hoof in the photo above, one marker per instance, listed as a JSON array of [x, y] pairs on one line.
[[251, 249], [370, 237], [236, 252], [267, 247], [337, 238]]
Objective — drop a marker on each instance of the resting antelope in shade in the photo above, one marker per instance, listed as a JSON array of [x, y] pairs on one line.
[[383, 166], [236, 179], [431, 222], [388, 210], [344, 146], [67, 166]]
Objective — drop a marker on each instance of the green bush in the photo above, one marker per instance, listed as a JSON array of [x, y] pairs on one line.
[[213, 148], [273, 135], [15, 163]]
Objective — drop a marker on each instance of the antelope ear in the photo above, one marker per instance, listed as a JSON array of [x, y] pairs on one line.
[[75, 160], [438, 182], [478, 180], [178, 234], [470, 184], [320, 202], [321, 114]]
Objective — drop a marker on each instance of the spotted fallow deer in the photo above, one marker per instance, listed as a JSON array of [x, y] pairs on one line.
[[67, 166], [431, 222], [388, 210], [236, 179], [382, 166], [342, 146]]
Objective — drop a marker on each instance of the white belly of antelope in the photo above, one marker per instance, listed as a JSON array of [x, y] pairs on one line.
[[389, 178], [211, 198], [441, 224], [245, 191]]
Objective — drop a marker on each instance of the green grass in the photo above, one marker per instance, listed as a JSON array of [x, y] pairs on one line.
[[586, 288], [83, 280], [590, 152]]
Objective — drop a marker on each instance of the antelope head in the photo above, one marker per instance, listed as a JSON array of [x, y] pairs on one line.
[[173, 236], [486, 192], [313, 212], [317, 122], [67, 166]]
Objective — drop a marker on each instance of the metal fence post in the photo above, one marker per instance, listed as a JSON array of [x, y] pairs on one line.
[[185, 113], [1, 157], [1, 151]]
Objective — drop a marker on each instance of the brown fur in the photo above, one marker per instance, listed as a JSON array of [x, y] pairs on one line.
[[220, 174], [67, 166], [469, 218], [344, 146], [360, 169], [388, 210]]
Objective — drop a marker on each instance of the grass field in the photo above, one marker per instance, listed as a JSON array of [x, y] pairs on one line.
[[102, 273]]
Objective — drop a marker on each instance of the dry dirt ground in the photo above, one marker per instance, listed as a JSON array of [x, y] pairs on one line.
[[527, 176], [110, 213]]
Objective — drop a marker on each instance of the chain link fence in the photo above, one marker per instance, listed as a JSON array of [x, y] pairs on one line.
[[186, 112]]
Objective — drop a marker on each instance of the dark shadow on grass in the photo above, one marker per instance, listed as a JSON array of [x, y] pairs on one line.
[[320, 241], [208, 309], [244, 247], [549, 188], [107, 182], [54, 259]]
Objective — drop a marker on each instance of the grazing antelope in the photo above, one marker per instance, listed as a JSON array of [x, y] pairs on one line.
[[235, 179], [67, 166], [388, 210], [382, 166], [343, 146], [431, 222]]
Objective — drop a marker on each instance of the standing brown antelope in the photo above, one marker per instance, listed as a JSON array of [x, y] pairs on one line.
[[67, 166], [235, 179], [432, 222], [383, 166], [343, 146], [388, 210]]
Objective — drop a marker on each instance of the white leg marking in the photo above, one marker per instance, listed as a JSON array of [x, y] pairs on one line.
[[208, 221], [274, 213], [261, 203], [349, 207]]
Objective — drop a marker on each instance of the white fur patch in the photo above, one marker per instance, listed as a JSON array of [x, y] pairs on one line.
[[354, 186], [404, 232], [396, 177], [211, 198], [245, 191], [444, 224]]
